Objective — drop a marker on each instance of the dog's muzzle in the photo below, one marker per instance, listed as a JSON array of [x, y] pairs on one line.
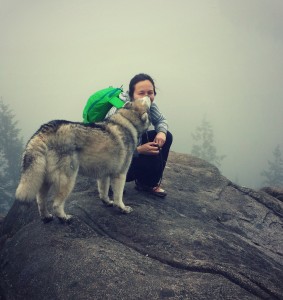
[[147, 101]]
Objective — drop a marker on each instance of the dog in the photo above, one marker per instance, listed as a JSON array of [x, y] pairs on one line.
[[60, 149]]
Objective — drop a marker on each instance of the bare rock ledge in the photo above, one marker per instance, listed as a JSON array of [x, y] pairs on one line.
[[208, 239]]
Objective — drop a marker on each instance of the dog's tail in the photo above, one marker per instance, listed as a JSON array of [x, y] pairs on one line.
[[33, 170]]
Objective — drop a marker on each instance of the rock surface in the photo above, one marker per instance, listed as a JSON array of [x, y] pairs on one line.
[[208, 239]]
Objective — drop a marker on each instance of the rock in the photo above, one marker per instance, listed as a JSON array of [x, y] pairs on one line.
[[208, 239], [273, 191]]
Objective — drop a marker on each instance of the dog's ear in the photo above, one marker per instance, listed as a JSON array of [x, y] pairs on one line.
[[128, 105]]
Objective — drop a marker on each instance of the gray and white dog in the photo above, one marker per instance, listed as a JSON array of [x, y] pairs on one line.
[[60, 149]]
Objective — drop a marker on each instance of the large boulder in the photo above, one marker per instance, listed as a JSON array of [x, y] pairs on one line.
[[208, 239]]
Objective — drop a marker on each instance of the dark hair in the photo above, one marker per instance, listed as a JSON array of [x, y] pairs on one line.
[[138, 78]]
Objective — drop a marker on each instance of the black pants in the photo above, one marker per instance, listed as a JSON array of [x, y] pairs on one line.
[[148, 169]]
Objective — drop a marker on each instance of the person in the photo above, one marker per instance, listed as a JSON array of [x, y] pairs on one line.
[[150, 157]]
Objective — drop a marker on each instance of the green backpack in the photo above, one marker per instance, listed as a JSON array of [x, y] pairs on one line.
[[100, 103]]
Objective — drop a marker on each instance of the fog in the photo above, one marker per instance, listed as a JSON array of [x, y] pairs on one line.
[[218, 59]]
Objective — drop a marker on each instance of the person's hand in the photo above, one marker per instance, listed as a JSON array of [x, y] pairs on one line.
[[150, 148], [160, 139]]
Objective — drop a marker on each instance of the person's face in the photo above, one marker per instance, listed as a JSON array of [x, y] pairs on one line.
[[142, 89]]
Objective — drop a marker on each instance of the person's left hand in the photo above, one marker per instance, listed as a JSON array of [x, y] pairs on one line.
[[160, 139]]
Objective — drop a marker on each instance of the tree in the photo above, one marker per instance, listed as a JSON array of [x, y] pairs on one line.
[[204, 144], [3, 165], [274, 174], [11, 147], [11, 144]]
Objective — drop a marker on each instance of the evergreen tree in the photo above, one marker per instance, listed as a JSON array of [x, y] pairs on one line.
[[204, 144], [3, 166], [274, 174], [11, 147]]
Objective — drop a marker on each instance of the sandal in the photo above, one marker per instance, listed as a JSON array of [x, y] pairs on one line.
[[157, 191]]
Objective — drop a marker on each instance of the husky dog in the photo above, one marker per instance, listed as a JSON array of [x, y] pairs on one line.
[[59, 149]]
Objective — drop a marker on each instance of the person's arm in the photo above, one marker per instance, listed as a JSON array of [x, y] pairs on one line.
[[160, 124]]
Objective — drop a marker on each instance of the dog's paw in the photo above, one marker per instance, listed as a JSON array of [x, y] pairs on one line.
[[47, 219], [125, 209], [66, 219]]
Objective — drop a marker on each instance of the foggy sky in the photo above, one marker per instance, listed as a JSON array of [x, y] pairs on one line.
[[218, 59]]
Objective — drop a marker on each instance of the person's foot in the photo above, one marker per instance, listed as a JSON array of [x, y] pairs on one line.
[[157, 191]]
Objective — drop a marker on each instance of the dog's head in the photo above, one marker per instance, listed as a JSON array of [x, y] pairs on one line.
[[141, 108]]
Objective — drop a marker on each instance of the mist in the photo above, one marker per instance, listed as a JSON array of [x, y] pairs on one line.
[[218, 59]]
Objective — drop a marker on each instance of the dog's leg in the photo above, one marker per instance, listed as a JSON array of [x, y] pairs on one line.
[[41, 199], [118, 184], [63, 189], [103, 185]]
